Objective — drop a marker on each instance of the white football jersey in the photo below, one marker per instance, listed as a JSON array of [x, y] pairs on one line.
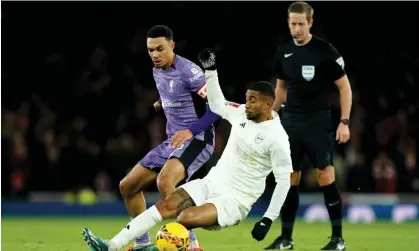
[[253, 150]]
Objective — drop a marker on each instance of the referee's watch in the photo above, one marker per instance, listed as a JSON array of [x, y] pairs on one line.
[[344, 121]]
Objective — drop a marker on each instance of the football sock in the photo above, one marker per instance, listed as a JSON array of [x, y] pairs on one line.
[[289, 211], [139, 226], [333, 202], [143, 240], [193, 239]]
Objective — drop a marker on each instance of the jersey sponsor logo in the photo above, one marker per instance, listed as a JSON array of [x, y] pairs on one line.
[[308, 72], [236, 105], [203, 91], [340, 62], [259, 138], [194, 71], [245, 151], [197, 75], [288, 55], [169, 103]]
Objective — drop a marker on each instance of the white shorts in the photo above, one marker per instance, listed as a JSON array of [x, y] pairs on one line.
[[230, 211]]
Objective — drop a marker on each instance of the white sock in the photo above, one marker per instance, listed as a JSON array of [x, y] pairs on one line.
[[137, 227]]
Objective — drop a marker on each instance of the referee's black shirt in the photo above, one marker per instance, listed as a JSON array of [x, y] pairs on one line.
[[309, 72]]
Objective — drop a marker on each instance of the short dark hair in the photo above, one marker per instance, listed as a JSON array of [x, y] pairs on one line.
[[301, 8], [160, 31], [264, 88]]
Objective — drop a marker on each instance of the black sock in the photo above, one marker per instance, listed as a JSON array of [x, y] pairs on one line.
[[289, 211], [333, 202]]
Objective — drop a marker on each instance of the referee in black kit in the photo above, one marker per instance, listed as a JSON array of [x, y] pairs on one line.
[[306, 68]]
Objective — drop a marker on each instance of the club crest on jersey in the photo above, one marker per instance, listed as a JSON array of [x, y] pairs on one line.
[[259, 138], [308, 72]]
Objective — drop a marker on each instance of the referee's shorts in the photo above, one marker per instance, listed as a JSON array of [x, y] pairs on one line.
[[317, 140]]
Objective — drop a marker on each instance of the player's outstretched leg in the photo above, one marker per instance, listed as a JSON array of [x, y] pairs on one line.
[[168, 208], [131, 190], [288, 214], [333, 202], [170, 176]]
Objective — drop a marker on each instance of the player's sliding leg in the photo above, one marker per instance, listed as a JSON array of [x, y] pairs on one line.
[[200, 216], [333, 202], [168, 208], [131, 190], [170, 176], [183, 162], [288, 214]]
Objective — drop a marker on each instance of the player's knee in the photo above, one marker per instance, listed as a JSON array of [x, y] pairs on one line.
[[186, 218], [125, 188], [128, 188], [165, 186], [295, 178], [325, 176], [167, 208]]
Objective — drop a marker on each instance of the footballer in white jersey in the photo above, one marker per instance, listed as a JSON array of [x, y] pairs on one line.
[[257, 146]]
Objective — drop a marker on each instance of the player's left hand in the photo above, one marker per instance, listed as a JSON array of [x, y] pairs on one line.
[[180, 137], [207, 59], [261, 229], [157, 106], [342, 133]]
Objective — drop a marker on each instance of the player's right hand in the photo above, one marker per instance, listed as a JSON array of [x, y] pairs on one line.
[[261, 229], [157, 106], [207, 59]]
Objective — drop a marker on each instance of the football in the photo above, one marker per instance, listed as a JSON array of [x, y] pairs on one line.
[[172, 237]]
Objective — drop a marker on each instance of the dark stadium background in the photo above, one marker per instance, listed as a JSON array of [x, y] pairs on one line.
[[77, 87]]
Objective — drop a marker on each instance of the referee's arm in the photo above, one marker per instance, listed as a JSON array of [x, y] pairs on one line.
[[337, 70], [342, 133], [345, 94], [281, 86], [280, 94]]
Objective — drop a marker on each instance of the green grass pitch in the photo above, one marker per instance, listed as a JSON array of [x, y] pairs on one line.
[[64, 234]]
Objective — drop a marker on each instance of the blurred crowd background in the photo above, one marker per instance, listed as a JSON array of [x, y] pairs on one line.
[[77, 86]]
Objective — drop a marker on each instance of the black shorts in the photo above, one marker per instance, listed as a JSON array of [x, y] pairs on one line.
[[192, 153], [317, 140]]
